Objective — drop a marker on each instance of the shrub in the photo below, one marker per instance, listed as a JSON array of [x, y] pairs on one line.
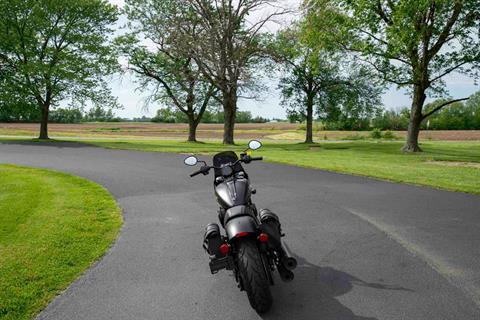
[[389, 135], [376, 134], [316, 126]]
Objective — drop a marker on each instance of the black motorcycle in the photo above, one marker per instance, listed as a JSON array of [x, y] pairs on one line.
[[252, 247]]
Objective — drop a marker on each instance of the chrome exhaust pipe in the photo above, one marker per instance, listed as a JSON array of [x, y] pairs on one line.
[[285, 275], [289, 263], [286, 258]]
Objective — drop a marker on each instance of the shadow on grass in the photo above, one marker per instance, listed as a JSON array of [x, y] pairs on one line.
[[314, 291], [169, 146], [47, 143]]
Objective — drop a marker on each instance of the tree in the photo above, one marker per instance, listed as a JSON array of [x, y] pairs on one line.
[[164, 115], [409, 43], [66, 115], [19, 111], [164, 62], [99, 114], [244, 117], [231, 49], [391, 119], [323, 82], [259, 119], [14, 107], [457, 116], [472, 107], [209, 117], [56, 50]]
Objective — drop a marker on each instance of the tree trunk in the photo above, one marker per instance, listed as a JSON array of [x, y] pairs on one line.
[[230, 113], [309, 131], [411, 145], [45, 108], [192, 128]]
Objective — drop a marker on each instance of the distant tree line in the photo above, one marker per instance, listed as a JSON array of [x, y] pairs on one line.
[[456, 116], [21, 113], [167, 115]]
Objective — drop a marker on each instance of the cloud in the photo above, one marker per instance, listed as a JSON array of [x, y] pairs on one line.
[[119, 3]]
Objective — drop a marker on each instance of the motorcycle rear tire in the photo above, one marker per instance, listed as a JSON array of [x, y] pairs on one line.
[[252, 274]]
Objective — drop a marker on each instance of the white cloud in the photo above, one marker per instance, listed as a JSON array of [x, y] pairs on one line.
[[119, 3]]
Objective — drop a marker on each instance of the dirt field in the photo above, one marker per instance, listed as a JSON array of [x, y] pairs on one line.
[[268, 131]]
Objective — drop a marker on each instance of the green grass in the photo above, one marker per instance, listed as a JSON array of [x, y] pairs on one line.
[[378, 159], [53, 226]]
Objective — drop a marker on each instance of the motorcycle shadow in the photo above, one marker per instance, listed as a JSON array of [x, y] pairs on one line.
[[312, 294]]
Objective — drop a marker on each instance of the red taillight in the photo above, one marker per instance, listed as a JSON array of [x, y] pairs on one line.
[[263, 237], [224, 249], [242, 234]]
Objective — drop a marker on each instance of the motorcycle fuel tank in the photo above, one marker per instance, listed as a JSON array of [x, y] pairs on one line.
[[233, 193]]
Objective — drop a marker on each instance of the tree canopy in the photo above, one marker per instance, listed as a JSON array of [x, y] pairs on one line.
[[55, 50]]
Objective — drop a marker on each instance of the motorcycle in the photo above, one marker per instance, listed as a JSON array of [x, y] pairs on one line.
[[251, 246]]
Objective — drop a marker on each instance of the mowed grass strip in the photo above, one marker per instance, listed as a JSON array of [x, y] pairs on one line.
[[53, 226], [378, 159]]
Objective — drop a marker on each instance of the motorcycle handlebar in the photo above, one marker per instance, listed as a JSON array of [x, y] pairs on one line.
[[195, 173], [205, 170]]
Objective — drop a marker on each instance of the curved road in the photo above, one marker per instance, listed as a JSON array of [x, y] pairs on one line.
[[367, 249]]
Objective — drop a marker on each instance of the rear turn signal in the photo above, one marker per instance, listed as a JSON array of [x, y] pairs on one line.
[[224, 249], [263, 237]]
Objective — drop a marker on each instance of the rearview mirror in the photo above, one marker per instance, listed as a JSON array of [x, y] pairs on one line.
[[190, 161], [254, 145]]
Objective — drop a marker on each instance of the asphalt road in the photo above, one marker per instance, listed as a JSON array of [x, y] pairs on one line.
[[367, 249]]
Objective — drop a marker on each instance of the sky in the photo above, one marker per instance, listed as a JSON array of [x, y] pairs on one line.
[[133, 100]]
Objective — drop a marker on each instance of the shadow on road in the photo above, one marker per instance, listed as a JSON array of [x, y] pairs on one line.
[[312, 295], [51, 144]]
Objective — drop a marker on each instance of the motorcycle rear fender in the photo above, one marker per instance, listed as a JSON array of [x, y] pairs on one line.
[[235, 212], [240, 224]]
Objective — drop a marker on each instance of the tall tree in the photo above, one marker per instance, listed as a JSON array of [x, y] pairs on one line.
[[413, 44], [158, 53], [322, 82], [56, 50], [231, 48]]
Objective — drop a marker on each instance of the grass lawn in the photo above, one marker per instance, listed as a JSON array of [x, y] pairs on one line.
[[53, 227], [447, 165]]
